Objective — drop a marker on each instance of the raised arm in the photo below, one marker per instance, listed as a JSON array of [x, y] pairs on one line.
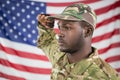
[[47, 41], [46, 32]]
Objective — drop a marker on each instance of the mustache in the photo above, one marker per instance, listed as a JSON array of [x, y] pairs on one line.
[[61, 40]]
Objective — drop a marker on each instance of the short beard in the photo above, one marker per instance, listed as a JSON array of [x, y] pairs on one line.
[[69, 51]]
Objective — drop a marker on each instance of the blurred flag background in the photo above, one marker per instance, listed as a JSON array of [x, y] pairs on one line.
[[20, 59]]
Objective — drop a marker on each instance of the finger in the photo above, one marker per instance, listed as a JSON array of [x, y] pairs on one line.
[[46, 17], [40, 17], [45, 20]]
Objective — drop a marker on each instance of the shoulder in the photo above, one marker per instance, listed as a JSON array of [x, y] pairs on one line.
[[103, 66]]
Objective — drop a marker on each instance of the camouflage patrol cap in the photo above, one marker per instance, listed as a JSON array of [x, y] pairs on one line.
[[78, 12]]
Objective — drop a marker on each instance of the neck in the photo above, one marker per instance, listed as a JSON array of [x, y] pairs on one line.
[[80, 54]]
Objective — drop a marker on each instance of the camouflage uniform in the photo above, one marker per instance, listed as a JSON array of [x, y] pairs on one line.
[[92, 68]]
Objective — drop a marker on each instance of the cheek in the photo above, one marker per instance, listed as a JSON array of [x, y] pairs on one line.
[[77, 40], [73, 38]]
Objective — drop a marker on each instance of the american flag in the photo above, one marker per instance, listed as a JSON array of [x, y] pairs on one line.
[[20, 59]]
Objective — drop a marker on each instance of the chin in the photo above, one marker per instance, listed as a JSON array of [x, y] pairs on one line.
[[70, 51], [63, 49]]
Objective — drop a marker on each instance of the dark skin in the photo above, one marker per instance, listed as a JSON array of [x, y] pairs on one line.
[[74, 39]]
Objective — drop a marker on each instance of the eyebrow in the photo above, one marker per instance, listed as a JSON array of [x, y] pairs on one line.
[[70, 23]]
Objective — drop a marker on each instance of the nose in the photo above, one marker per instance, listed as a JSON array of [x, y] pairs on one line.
[[60, 34]]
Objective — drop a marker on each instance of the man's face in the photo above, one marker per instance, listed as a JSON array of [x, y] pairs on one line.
[[71, 36]]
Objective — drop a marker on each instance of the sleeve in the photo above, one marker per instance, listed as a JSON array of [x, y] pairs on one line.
[[109, 71], [48, 43], [46, 36]]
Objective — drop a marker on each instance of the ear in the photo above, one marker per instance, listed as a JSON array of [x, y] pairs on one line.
[[88, 31]]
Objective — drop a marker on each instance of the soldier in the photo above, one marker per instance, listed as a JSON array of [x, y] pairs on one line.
[[71, 55]]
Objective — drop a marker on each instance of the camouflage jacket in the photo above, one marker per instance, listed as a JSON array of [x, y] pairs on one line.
[[92, 68]]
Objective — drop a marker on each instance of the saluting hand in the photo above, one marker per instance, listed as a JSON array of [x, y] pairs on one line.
[[45, 20]]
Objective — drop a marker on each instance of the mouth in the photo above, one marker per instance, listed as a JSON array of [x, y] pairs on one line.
[[60, 42]]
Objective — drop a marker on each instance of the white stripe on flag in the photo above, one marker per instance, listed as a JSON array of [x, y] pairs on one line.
[[21, 46], [106, 28], [55, 10], [101, 4], [107, 42], [108, 15], [115, 64], [25, 61], [26, 75], [3, 78], [110, 53]]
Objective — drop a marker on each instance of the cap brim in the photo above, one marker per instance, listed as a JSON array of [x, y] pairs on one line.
[[64, 17]]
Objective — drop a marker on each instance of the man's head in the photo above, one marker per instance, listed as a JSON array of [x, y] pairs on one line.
[[76, 25]]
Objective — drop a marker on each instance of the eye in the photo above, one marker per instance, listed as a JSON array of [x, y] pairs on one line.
[[64, 28], [67, 28]]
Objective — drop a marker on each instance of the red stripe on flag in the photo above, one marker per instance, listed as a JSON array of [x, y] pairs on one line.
[[10, 77], [113, 45], [56, 30], [118, 69], [106, 36], [68, 3], [107, 21], [23, 54], [107, 8], [113, 58], [25, 68]]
